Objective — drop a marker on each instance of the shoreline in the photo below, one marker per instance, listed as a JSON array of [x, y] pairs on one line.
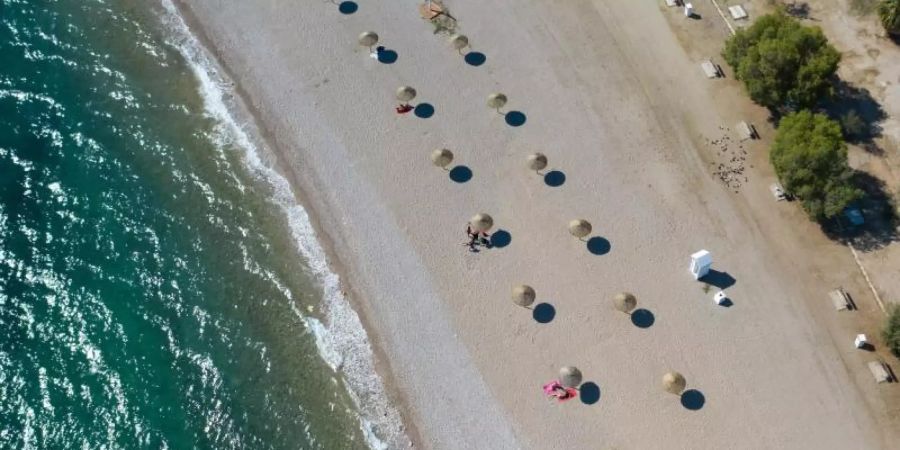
[[369, 150], [252, 124]]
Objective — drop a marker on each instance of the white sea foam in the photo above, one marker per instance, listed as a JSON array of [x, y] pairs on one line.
[[340, 337]]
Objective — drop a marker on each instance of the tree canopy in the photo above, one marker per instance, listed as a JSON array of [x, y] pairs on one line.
[[891, 331], [810, 159], [782, 63], [889, 13]]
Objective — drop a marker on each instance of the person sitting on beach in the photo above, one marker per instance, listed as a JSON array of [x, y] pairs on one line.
[[475, 238]]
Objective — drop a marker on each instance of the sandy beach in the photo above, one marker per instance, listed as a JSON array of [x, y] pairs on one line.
[[617, 106]]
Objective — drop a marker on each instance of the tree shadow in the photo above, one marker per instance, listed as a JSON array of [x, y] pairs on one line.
[[348, 7], [515, 118], [554, 178], [692, 399], [424, 110], [879, 211], [643, 318], [543, 313], [500, 238], [475, 59], [386, 55], [589, 393], [598, 245], [721, 280], [798, 10], [460, 174], [859, 114]]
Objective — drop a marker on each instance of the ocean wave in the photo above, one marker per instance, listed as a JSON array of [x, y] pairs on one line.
[[340, 337]]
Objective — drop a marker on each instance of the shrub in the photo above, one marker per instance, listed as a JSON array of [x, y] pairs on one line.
[[891, 331], [889, 13]]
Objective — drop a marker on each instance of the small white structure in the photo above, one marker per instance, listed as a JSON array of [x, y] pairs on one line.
[[671, 3], [737, 12], [709, 69], [720, 298], [861, 341], [688, 10], [700, 264], [879, 372]]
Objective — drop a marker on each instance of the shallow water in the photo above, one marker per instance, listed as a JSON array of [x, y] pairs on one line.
[[152, 292]]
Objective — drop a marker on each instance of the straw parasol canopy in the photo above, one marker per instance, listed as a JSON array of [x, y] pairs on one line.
[[523, 295], [496, 101], [368, 39], [459, 41], [405, 93], [674, 383], [442, 157], [570, 377], [482, 222], [625, 302], [580, 228], [537, 161]]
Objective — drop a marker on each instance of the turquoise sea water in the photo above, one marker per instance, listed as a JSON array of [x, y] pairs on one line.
[[151, 290]]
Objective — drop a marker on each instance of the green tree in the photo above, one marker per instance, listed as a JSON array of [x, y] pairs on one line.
[[889, 13], [810, 159], [891, 331], [782, 63]]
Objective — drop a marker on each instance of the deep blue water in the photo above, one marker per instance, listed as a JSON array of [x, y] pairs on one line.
[[151, 294]]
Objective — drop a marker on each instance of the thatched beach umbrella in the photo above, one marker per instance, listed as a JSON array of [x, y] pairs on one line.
[[674, 383], [496, 101], [459, 42], [368, 39], [537, 162], [570, 377], [523, 295], [442, 157], [482, 222], [405, 94], [625, 302], [580, 228]]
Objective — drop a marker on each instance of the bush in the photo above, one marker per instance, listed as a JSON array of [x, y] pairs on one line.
[[782, 63], [889, 13], [810, 158], [891, 331]]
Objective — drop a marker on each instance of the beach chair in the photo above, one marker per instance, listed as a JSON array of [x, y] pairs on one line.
[[840, 299], [880, 372]]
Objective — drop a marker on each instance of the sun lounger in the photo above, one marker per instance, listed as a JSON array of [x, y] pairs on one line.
[[745, 131], [737, 12], [880, 372], [709, 69], [839, 299]]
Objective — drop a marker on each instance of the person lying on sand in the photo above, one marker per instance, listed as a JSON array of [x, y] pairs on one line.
[[403, 109], [555, 390]]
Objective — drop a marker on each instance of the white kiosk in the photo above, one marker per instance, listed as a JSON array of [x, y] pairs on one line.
[[700, 264]]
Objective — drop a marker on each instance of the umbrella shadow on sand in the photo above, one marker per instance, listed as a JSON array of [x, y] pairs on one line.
[[460, 174], [643, 318], [589, 393], [475, 59], [543, 313], [500, 238], [692, 399], [554, 178], [515, 118], [347, 7], [598, 245], [424, 110]]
